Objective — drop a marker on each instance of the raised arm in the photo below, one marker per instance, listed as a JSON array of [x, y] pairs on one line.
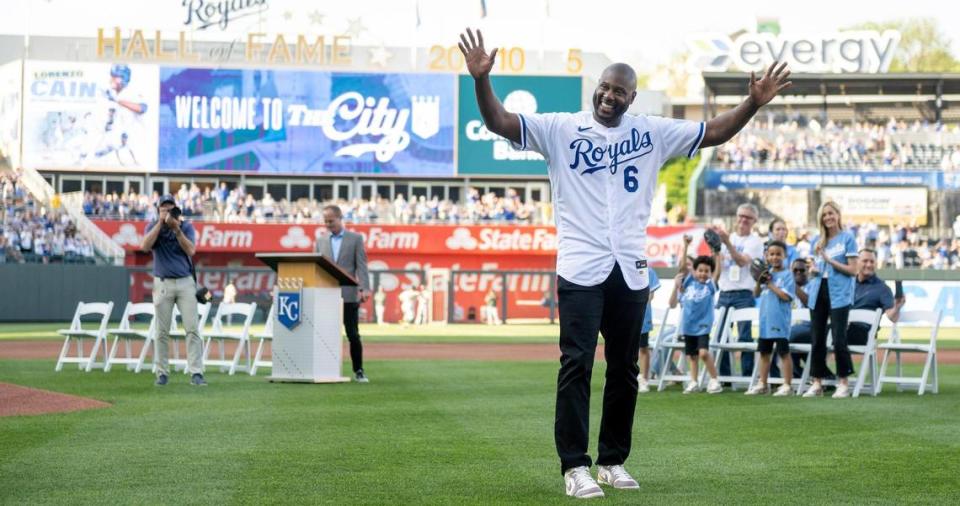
[[724, 126], [682, 264], [479, 63]]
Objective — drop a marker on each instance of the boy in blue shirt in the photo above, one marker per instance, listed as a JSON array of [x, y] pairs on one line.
[[775, 289], [696, 296], [643, 381]]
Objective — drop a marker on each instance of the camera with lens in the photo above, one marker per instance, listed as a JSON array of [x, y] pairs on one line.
[[175, 212]]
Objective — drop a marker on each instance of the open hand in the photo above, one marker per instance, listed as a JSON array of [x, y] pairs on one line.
[[724, 235], [773, 81], [478, 61]]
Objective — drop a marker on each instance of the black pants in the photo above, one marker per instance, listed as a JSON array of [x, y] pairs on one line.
[[616, 311], [818, 334], [351, 321]]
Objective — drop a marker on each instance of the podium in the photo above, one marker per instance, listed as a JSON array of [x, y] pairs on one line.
[[307, 343]]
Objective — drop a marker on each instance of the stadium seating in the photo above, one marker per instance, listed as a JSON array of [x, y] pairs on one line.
[[897, 347], [77, 334]]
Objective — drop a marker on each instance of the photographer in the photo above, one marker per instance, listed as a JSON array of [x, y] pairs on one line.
[[736, 286], [172, 241]]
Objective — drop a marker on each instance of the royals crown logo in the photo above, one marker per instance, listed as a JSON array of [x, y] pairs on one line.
[[426, 116]]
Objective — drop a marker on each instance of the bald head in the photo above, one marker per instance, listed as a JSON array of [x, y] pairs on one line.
[[625, 72]]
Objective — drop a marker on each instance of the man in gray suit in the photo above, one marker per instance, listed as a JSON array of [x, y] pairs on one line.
[[346, 249]]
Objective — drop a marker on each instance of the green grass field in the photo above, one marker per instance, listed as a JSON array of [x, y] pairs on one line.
[[949, 338], [466, 432]]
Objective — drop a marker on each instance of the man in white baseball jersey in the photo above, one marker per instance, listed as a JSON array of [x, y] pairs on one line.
[[603, 168]]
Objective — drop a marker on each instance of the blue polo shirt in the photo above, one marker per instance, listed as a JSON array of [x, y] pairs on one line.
[[697, 302], [648, 314], [840, 247], [169, 259], [872, 293], [775, 314]]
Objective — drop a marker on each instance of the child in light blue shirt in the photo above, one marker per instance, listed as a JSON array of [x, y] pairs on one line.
[[775, 289], [695, 293]]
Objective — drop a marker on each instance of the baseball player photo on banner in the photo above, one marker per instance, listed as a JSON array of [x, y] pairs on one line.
[[90, 116], [297, 122]]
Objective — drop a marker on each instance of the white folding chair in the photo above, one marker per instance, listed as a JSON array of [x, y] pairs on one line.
[[797, 316], [77, 333], [177, 334], [672, 343], [266, 335], [898, 347], [128, 334], [726, 344], [868, 351], [221, 334]]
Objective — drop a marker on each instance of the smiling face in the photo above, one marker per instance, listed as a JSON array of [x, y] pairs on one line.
[[775, 256], [746, 217], [830, 218], [703, 272], [614, 94]]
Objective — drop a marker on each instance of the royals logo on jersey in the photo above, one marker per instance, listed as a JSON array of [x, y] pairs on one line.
[[602, 214]]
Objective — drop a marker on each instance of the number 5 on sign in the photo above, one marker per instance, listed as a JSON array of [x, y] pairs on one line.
[[574, 61]]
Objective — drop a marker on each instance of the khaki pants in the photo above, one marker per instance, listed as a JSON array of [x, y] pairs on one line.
[[182, 292]]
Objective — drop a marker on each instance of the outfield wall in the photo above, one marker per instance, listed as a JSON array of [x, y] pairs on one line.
[[42, 293]]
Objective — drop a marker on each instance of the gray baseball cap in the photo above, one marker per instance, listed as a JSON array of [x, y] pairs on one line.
[[166, 198]]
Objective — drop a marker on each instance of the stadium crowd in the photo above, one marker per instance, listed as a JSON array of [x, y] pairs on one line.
[[801, 143], [237, 206], [33, 233]]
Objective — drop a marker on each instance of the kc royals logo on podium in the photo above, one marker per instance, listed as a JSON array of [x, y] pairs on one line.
[[289, 299]]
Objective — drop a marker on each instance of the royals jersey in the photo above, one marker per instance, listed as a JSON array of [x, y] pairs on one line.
[[603, 181]]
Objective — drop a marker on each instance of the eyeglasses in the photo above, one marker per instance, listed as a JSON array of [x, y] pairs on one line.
[[746, 217], [799, 270]]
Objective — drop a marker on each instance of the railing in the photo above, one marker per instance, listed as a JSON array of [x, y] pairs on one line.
[[103, 243]]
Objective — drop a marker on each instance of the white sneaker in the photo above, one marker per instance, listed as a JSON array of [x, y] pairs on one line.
[[580, 484], [616, 477], [642, 385], [692, 387], [758, 389], [783, 391], [814, 391], [714, 387], [843, 391]]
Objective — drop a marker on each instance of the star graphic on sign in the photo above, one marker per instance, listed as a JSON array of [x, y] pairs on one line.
[[316, 18], [379, 55], [356, 26], [287, 15]]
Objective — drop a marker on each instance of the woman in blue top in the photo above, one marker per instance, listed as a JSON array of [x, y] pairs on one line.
[[832, 280], [779, 232]]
